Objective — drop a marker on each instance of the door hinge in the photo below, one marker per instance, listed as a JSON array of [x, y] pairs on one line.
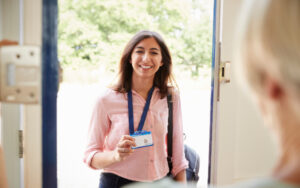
[[21, 146]]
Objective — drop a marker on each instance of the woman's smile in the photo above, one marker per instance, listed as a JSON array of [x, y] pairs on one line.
[[146, 66], [146, 58]]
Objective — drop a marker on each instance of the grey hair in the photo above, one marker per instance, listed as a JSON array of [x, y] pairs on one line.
[[269, 42]]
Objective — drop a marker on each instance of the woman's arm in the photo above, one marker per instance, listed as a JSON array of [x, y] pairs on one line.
[[179, 161], [123, 150]]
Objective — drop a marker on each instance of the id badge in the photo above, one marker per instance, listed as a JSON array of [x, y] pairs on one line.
[[142, 139]]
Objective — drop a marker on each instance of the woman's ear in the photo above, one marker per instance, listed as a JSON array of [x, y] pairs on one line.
[[273, 88]]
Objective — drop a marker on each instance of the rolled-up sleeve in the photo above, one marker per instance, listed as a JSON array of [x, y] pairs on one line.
[[98, 129], [179, 161]]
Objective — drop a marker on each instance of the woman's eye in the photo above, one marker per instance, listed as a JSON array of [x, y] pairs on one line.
[[139, 52], [154, 53]]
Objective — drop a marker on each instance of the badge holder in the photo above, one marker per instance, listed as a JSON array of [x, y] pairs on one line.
[[142, 139]]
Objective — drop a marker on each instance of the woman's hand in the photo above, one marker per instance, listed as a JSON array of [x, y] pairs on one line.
[[123, 148]]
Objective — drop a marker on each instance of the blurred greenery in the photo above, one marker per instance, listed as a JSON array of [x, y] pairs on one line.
[[93, 33]]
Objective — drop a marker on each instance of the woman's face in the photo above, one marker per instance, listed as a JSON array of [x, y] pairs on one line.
[[146, 59]]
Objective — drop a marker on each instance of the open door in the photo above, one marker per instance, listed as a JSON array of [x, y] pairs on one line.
[[21, 21], [241, 146]]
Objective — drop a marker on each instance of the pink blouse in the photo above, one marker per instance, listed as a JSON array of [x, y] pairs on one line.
[[109, 123]]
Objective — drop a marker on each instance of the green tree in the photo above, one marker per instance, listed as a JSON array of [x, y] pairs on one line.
[[93, 33]]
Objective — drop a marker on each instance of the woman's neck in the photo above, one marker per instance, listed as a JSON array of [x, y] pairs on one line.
[[288, 166], [287, 133], [142, 86]]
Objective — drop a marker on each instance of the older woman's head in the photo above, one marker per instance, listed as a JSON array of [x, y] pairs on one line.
[[268, 57], [269, 43]]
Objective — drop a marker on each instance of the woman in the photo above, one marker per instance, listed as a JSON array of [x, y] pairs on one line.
[[144, 78], [269, 59]]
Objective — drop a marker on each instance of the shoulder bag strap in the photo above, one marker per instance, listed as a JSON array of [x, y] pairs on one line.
[[170, 132]]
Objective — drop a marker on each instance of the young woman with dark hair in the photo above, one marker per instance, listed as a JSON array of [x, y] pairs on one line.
[[163, 76], [133, 108]]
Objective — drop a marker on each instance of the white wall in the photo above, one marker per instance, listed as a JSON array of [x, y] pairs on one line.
[[10, 116], [10, 19], [1, 26], [243, 147], [1, 12]]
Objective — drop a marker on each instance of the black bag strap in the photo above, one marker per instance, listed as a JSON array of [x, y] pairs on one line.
[[170, 132]]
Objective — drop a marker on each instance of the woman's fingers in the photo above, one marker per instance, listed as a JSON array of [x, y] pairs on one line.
[[122, 153], [126, 143], [124, 149], [127, 137]]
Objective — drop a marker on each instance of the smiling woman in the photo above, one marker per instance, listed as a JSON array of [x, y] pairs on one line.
[[146, 48], [91, 38], [146, 59], [145, 78]]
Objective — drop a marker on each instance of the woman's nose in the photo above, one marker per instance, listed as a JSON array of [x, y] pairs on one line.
[[146, 57]]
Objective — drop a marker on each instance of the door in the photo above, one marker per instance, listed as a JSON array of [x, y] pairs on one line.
[[21, 21], [241, 146], [11, 113]]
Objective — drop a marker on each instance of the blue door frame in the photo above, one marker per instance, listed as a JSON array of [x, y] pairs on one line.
[[213, 69], [49, 93]]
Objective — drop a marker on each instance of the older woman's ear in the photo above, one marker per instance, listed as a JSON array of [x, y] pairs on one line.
[[273, 89]]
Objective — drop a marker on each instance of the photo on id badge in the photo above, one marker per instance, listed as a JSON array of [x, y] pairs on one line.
[[142, 139]]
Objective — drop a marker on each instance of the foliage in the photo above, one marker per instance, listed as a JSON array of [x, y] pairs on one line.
[[93, 33]]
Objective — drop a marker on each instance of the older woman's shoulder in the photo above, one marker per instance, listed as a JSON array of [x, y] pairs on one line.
[[263, 183], [164, 183]]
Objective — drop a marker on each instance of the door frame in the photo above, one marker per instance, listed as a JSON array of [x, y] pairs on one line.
[[49, 93], [212, 163]]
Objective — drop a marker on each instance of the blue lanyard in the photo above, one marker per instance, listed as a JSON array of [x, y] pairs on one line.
[[130, 111]]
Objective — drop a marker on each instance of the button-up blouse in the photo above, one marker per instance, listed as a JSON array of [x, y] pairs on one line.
[[109, 123]]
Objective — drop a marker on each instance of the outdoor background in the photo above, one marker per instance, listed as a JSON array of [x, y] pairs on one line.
[[91, 37]]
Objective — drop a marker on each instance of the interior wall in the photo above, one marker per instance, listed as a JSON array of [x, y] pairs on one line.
[[1, 26], [254, 152], [1, 12], [10, 19], [11, 112], [244, 146]]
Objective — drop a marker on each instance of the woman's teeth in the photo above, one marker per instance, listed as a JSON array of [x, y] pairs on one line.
[[145, 67]]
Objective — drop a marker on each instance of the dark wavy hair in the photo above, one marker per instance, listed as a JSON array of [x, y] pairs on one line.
[[163, 78]]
